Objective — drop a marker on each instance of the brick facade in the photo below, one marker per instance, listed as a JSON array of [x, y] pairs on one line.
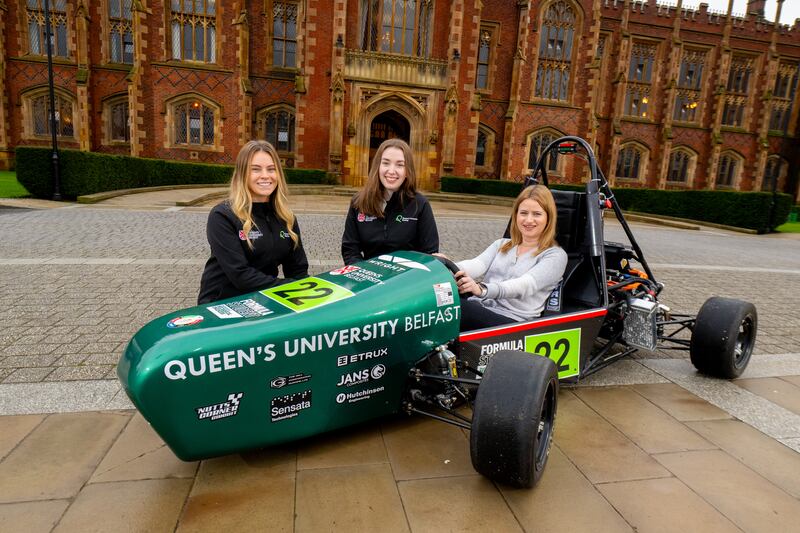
[[342, 94]]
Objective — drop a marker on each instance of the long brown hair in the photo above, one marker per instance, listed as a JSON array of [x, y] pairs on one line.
[[370, 198], [241, 199], [544, 197]]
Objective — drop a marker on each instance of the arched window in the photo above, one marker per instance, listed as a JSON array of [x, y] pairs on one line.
[[484, 150], [194, 123], [555, 52], [537, 143], [193, 24], [38, 107], [728, 170], [284, 34], [276, 125], [37, 33], [396, 26], [117, 122], [631, 162], [480, 150], [681, 167], [774, 174], [121, 31]]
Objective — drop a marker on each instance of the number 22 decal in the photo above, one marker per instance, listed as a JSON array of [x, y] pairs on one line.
[[305, 294], [563, 347]]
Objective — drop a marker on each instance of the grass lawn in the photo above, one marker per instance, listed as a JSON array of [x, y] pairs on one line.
[[10, 187], [789, 227]]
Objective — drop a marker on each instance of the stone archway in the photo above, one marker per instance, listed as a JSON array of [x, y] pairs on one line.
[[378, 113], [388, 125]]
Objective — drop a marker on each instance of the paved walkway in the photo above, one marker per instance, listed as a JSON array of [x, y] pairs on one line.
[[646, 444]]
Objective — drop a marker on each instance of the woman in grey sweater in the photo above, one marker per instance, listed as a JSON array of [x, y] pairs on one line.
[[517, 274]]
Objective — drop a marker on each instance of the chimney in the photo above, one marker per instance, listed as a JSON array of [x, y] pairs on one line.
[[756, 7]]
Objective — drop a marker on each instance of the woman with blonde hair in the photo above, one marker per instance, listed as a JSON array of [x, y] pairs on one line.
[[518, 274], [389, 214], [253, 231]]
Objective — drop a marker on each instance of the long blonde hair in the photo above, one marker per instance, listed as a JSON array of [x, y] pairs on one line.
[[370, 198], [241, 199], [544, 197]]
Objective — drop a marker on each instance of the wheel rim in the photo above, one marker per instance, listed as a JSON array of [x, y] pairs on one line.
[[544, 432], [744, 342]]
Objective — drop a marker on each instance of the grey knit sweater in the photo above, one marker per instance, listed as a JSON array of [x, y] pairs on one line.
[[517, 286]]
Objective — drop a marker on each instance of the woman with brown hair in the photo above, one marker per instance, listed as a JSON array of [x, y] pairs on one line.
[[389, 214], [518, 274], [253, 231]]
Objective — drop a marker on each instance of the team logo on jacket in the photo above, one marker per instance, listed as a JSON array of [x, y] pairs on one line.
[[285, 235], [401, 218], [365, 218], [254, 234]]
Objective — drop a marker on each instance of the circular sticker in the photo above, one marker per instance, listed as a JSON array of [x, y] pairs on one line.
[[377, 371], [344, 270], [188, 320]]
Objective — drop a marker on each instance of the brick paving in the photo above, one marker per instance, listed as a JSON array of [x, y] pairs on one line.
[[663, 450]]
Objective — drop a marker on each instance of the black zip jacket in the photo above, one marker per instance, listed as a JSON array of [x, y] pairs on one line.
[[403, 227], [234, 268]]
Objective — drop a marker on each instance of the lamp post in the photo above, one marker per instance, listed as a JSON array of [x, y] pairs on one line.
[[49, 44]]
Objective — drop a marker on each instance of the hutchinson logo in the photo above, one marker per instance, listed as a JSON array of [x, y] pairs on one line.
[[187, 320], [220, 410], [359, 377]]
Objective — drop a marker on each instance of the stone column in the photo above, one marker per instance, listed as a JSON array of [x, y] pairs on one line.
[[722, 76], [6, 154], [675, 58], [509, 139], [242, 27], [84, 69], [135, 99], [593, 66], [452, 105], [337, 88], [620, 85]]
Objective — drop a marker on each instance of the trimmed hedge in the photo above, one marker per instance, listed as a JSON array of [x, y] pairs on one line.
[[732, 208], [91, 172]]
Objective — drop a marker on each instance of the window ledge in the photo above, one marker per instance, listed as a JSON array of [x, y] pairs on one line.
[[197, 148], [194, 65], [733, 129], [638, 120]]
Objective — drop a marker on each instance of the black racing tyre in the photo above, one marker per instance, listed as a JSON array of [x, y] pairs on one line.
[[513, 418], [723, 337]]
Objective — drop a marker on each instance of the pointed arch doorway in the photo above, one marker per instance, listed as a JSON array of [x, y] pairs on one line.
[[388, 125]]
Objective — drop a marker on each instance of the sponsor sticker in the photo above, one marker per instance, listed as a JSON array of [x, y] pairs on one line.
[[444, 294], [223, 311], [364, 375], [563, 347], [307, 293], [344, 360], [187, 320], [284, 381], [344, 270], [254, 234], [217, 411], [289, 406], [405, 262], [353, 397]]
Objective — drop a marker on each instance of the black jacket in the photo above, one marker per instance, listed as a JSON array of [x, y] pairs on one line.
[[403, 227], [234, 268]]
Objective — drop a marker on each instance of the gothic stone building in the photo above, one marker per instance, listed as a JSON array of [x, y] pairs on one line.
[[670, 97]]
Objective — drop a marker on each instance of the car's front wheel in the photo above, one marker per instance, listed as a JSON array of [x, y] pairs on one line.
[[513, 418], [723, 337]]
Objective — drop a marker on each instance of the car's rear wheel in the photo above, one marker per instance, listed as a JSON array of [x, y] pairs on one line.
[[723, 337], [513, 418]]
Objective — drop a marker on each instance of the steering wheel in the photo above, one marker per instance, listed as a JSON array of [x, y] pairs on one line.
[[451, 266]]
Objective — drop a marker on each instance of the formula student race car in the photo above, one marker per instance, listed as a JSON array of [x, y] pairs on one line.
[[382, 337]]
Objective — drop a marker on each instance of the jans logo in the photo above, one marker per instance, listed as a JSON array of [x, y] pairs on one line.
[[187, 320], [254, 234]]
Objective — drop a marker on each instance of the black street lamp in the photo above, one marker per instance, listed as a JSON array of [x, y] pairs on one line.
[[56, 172]]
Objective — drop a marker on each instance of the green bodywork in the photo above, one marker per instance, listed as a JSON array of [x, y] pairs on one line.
[[292, 361]]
